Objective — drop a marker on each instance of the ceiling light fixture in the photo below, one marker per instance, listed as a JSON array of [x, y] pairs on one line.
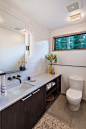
[[75, 17], [24, 32]]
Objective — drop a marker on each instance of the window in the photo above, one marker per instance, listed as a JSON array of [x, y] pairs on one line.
[[70, 42]]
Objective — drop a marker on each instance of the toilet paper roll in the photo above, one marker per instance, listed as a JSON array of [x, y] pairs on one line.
[[3, 87]]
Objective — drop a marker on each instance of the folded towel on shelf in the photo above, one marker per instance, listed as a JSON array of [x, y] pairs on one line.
[[53, 83], [48, 86]]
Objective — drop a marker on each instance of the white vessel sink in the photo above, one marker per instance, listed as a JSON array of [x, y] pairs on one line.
[[20, 88]]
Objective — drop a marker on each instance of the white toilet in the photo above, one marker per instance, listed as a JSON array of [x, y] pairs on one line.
[[74, 93]]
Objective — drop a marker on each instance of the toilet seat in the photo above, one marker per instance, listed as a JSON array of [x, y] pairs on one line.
[[73, 94]]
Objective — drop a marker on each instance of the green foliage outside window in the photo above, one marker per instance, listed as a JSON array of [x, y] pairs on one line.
[[71, 42]]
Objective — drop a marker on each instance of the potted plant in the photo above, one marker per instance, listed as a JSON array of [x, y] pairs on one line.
[[22, 65], [53, 59]]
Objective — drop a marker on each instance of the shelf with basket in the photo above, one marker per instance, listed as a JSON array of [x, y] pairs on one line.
[[53, 92]]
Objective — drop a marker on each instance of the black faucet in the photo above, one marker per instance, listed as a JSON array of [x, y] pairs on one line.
[[9, 78], [18, 77]]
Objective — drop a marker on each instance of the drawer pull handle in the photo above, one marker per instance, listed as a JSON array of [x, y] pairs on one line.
[[36, 91], [27, 97]]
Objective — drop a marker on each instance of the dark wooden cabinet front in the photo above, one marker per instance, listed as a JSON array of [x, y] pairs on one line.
[[59, 85], [17, 116], [38, 104], [25, 113]]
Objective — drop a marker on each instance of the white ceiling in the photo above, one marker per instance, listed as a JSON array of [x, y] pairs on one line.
[[51, 13]]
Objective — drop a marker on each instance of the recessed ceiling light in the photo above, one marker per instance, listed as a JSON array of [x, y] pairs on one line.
[[75, 17]]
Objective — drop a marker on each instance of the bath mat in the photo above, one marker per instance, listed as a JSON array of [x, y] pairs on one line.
[[49, 122]]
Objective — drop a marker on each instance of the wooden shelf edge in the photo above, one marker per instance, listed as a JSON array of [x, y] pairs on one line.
[[51, 88]]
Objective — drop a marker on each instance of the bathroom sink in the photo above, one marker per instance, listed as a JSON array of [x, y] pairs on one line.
[[20, 88]]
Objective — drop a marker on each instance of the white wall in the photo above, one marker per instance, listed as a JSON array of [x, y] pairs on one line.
[[73, 57], [39, 43]]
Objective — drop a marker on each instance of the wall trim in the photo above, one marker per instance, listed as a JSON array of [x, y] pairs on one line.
[[69, 65], [83, 100], [70, 34]]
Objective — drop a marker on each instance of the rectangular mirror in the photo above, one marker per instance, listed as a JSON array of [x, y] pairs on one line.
[[12, 42]]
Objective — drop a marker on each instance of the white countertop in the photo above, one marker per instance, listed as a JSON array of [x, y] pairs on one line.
[[11, 98]]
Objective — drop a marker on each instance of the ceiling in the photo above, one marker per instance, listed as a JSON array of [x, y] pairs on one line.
[[50, 13]]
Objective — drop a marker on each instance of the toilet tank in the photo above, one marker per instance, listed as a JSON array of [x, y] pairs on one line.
[[76, 83]]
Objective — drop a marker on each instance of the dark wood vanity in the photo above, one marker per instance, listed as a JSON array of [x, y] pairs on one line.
[[25, 113]]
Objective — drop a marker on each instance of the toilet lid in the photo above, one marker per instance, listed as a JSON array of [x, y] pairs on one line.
[[74, 94]]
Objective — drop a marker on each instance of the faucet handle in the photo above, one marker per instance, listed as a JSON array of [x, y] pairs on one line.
[[13, 77], [19, 76], [9, 78]]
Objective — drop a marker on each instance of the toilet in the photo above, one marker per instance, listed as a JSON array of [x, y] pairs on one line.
[[74, 93]]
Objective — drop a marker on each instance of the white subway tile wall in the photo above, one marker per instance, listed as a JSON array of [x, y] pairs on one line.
[[39, 43]]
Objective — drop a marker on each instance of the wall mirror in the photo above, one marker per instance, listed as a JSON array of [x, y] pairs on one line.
[[12, 42]]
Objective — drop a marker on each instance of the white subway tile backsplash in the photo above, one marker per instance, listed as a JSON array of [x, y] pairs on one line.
[[23, 12], [32, 27], [38, 39], [32, 18], [34, 60], [1, 7], [26, 18], [15, 11], [11, 13], [4, 4], [32, 65], [28, 60], [34, 24], [11, 3], [27, 66], [39, 31], [39, 43], [40, 27], [34, 33]]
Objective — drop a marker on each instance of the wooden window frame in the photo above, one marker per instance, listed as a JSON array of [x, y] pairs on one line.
[[70, 34]]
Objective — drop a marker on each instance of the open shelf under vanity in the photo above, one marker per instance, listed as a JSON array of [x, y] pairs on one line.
[[55, 91]]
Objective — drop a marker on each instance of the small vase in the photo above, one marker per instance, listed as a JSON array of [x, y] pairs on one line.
[[50, 69], [21, 68]]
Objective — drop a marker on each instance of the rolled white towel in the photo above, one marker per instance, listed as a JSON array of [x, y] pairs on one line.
[[48, 86], [3, 87]]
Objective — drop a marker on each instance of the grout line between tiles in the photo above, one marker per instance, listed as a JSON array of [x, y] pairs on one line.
[[72, 119]]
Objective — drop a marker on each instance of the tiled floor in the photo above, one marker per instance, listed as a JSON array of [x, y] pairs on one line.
[[60, 110]]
